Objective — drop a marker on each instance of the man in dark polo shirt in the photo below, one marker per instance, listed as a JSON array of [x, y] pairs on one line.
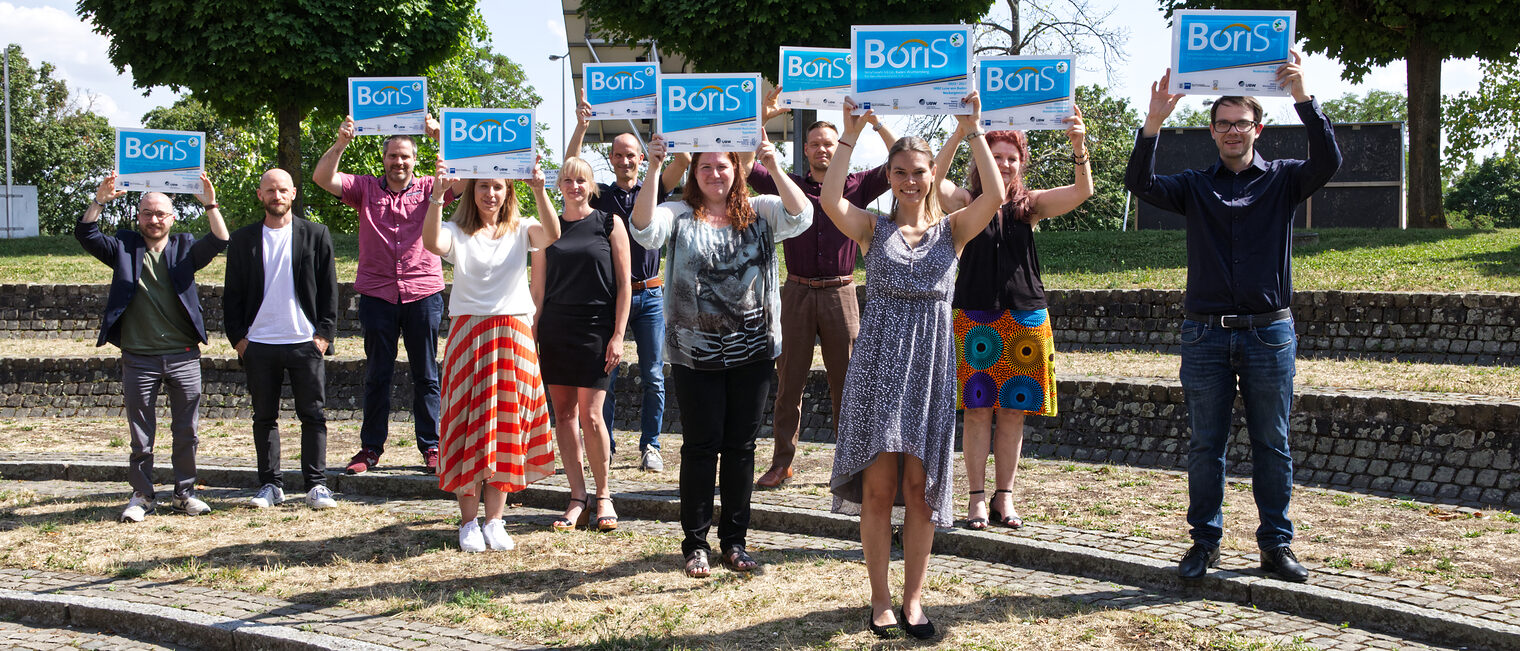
[[1238, 330], [153, 314], [646, 314], [818, 299]]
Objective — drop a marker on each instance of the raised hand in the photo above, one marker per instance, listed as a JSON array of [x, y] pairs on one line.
[[430, 127], [854, 124], [539, 179], [772, 106], [766, 154], [657, 148], [346, 131], [445, 182], [1163, 102], [107, 190], [1076, 131], [583, 111], [1291, 77], [208, 193], [969, 122]]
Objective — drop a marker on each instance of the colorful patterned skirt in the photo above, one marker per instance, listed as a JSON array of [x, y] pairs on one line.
[[495, 422], [1006, 359]]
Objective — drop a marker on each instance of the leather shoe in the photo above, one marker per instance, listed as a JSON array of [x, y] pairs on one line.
[[774, 477], [1197, 561], [1281, 563]]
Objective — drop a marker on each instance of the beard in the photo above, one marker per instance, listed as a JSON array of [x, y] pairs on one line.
[[275, 208]]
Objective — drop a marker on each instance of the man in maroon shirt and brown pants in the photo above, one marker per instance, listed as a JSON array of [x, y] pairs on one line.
[[818, 299]]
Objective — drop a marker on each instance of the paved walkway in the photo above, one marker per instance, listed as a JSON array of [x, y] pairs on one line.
[[31, 637], [1037, 560]]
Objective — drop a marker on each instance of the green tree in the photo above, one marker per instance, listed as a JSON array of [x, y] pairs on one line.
[[243, 57], [1484, 119], [743, 35], [58, 144], [1375, 106], [1489, 189], [1188, 115], [1423, 33]]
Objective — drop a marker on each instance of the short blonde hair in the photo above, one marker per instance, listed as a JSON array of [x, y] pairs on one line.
[[577, 167]]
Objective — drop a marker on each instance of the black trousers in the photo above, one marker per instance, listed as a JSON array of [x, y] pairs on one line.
[[266, 366], [721, 412]]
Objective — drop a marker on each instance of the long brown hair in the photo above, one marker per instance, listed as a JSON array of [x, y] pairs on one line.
[[1015, 192], [908, 144], [739, 211], [467, 216]]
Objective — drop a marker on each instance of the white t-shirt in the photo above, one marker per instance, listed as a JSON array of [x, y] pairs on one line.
[[280, 319], [490, 275]]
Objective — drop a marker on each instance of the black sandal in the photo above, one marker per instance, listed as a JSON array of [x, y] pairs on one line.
[[1012, 520], [606, 522], [566, 524], [738, 560], [975, 524], [696, 564]]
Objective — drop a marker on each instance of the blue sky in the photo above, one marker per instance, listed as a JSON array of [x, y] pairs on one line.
[[529, 31]]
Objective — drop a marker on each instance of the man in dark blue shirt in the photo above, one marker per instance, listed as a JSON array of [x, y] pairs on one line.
[[1238, 329]]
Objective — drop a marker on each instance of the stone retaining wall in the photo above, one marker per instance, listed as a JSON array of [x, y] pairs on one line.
[[1458, 449], [1475, 328]]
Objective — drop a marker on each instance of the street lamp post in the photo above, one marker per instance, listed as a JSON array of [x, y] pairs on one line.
[[564, 137]]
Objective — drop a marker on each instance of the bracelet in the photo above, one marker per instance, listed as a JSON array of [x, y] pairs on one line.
[[973, 135], [1080, 161], [435, 201], [847, 144], [97, 202], [877, 126], [212, 206]]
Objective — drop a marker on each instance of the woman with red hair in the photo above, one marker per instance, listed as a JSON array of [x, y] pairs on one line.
[[1003, 340], [722, 330]]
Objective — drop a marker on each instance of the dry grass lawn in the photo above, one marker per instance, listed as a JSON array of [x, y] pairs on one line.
[[578, 589]]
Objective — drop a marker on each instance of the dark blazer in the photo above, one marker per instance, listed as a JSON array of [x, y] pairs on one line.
[[311, 255], [183, 254]]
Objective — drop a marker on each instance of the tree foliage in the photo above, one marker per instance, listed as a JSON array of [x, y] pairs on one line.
[[1369, 33], [743, 35], [1072, 27], [1488, 118], [1489, 189], [59, 144], [1375, 106], [244, 58]]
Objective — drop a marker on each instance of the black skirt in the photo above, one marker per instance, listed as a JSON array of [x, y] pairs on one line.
[[572, 345]]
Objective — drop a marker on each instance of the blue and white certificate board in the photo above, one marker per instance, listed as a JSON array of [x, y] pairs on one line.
[[1230, 52], [814, 77], [383, 106], [710, 112], [155, 160], [620, 90], [911, 69], [487, 143], [1025, 92]]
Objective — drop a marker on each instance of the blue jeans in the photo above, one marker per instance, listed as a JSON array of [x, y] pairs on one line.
[[1261, 360], [416, 324], [646, 320]]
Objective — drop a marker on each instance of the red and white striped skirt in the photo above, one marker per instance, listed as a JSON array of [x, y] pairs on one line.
[[495, 422]]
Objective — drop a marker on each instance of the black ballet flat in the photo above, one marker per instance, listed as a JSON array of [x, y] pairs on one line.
[[922, 631]]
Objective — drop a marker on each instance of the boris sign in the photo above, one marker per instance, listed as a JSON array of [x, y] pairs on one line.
[[814, 77], [911, 69], [620, 90], [1230, 52], [383, 106], [155, 160], [487, 143], [1025, 92], [710, 112]]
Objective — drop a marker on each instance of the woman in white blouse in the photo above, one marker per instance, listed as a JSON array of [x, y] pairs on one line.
[[722, 330]]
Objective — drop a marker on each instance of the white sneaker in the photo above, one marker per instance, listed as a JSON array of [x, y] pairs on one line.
[[496, 536], [320, 498], [470, 537], [137, 508], [650, 460], [189, 505], [268, 495]]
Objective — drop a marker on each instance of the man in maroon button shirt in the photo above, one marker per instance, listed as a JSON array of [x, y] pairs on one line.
[[818, 299], [400, 288]]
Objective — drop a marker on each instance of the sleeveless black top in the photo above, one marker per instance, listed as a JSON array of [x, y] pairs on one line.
[[580, 263], [999, 268]]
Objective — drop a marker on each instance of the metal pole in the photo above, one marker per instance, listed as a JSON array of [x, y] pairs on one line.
[[1125, 225], [7, 141]]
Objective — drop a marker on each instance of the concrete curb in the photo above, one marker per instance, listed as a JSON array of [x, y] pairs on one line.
[[1307, 600], [166, 625]]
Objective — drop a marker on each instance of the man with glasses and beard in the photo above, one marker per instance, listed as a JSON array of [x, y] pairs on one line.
[[153, 314], [1238, 330], [280, 309]]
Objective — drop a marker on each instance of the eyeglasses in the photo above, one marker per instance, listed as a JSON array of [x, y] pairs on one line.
[[155, 214], [1241, 126]]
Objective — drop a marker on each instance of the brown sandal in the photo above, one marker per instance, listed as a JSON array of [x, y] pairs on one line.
[[606, 523], [566, 524]]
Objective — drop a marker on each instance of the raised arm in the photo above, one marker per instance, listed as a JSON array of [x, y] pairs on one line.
[[87, 231], [582, 123], [1059, 201], [967, 222], [207, 246], [856, 223], [670, 179], [951, 196], [792, 197], [1163, 102], [434, 238], [1324, 154], [621, 265], [643, 205], [887, 137], [326, 174], [547, 231], [1164, 192]]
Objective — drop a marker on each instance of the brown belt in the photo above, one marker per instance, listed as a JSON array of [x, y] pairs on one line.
[[647, 284], [821, 283]]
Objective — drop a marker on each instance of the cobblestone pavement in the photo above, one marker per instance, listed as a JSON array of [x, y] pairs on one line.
[[31, 637], [1253, 624]]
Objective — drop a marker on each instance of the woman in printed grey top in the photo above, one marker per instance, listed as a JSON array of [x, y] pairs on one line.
[[722, 330]]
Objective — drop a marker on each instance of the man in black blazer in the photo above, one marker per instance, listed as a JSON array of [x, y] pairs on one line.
[[280, 311]]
